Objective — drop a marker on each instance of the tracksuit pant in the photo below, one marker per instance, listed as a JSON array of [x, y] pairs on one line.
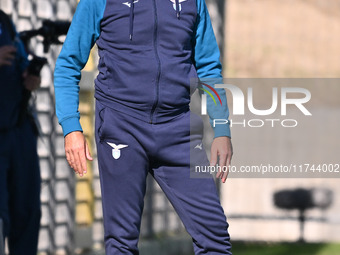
[[20, 189], [128, 149]]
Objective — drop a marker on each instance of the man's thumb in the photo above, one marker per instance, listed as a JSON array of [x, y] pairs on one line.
[[213, 157], [87, 152]]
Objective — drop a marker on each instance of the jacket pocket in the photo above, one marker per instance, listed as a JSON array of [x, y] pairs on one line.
[[100, 124]]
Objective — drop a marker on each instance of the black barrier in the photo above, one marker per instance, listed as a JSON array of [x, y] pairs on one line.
[[303, 199]]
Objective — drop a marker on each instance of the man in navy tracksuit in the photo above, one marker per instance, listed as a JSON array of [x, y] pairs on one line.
[[19, 163], [149, 50]]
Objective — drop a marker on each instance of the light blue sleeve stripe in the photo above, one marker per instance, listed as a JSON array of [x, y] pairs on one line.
[[208, 65], [82, 35]]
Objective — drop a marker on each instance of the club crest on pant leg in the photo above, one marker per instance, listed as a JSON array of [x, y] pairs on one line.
[[116, 149]]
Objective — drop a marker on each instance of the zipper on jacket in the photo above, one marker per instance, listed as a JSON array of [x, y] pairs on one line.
[[158, 62]]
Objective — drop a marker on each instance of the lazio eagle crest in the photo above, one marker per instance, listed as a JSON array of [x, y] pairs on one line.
[[116, 149]]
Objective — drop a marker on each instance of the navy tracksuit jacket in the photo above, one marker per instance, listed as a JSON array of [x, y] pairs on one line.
[[149, 50]]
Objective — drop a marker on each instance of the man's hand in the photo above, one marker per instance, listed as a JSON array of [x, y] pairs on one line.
[[31, 82], [223, 148], [7, 55], [77, 151]]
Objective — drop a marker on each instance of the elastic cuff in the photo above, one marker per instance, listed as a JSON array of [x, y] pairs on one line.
[[70, 125], [222, 130]]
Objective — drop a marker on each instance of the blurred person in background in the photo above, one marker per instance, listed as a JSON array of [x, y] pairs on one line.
[[19, 164], [148, 52]]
